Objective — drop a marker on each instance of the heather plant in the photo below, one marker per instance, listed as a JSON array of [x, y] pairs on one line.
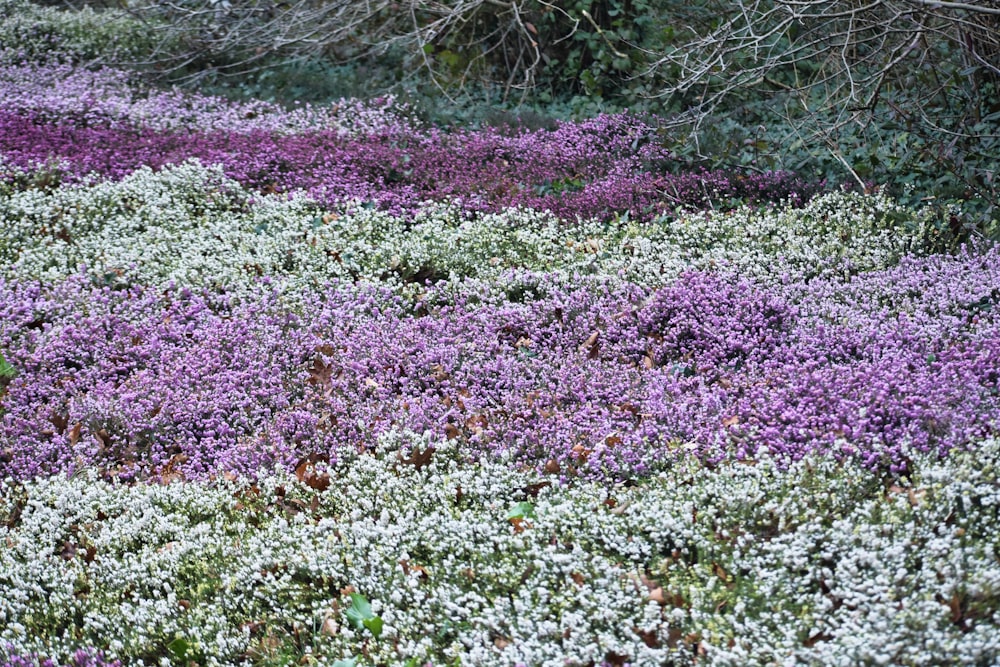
[[328, 385], [191, 225], [30, 32], [64, 94], [596, 168], [608, 380], [740, 563]]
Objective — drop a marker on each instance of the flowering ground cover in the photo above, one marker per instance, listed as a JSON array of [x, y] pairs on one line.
[[374, 153], [328, 386]]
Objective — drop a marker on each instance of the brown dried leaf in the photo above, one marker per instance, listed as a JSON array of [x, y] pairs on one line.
[[591, 346], [329, 627], [306, 472], [60, 421], [103, 439], [74, 434], [170, 473], [648, 637], [320, 372], [408, 567], [533, 489], [916, 496], [417, 458], [955, 605], [615, 659], [581, 453], [815, 639]]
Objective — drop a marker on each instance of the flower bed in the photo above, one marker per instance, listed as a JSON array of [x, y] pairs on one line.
[[329, 387]]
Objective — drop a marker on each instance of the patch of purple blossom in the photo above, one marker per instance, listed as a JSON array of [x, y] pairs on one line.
[[369, 153], [605, 383], [82, 658]]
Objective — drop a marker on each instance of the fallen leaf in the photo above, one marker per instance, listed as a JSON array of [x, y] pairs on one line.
[[591, 346], [615, 659], [170, 473], [330, 628], [815, 639], [60, 421], [420, 570], [320, 373], [103, 439], [534, 489], [417, 458], [307, 473], [648, 637], [957, 614], [721, 573]]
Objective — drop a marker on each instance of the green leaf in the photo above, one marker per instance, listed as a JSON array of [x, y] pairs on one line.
[[360, 616], [179, 648], [521, 510], [6, 370], [350, 662], [374, 626], [360, 610]]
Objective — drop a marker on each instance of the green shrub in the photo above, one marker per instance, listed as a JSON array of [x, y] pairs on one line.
[[39, 34]]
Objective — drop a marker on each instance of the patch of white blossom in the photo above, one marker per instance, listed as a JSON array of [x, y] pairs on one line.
[[188, 224], [824, 563]]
